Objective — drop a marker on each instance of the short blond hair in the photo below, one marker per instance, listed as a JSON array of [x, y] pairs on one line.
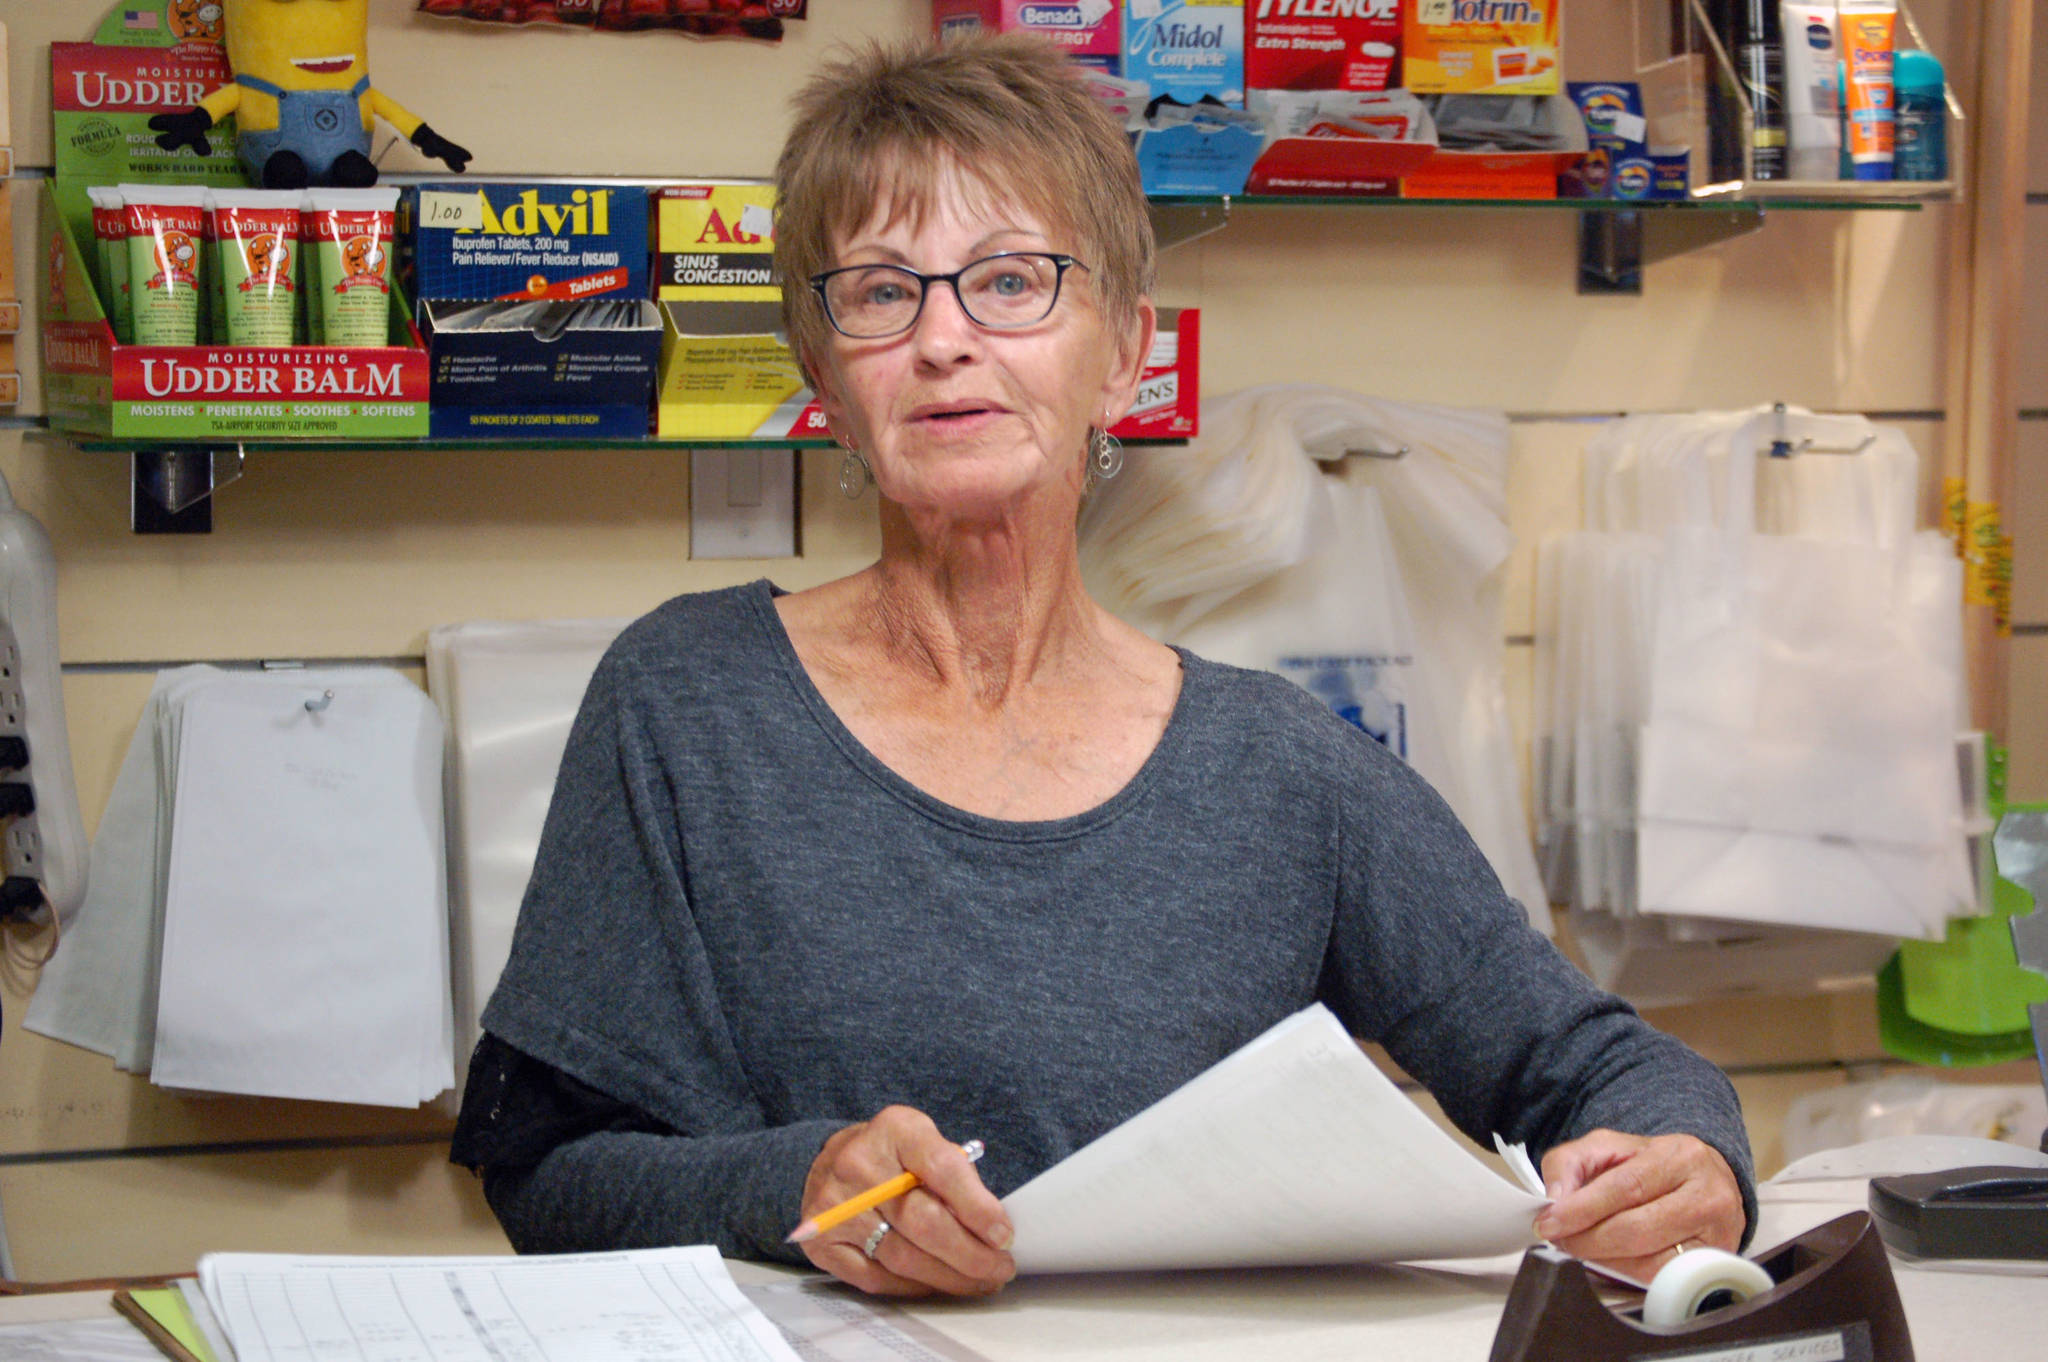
[[1008, 111]]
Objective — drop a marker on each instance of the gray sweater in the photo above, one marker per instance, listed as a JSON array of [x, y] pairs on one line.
[[744, 932]]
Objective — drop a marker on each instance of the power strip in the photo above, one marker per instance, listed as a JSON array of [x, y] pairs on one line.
[[43, 846]]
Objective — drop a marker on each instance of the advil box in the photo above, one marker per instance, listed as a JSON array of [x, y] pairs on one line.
[[527, 241], [1321, 44], [1089, 31], [716, 242]]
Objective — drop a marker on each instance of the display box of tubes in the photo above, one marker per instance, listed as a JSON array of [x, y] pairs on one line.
[[129, 352], [534, 302]]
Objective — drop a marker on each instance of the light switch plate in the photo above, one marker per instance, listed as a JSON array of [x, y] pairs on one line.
[[742, 503]]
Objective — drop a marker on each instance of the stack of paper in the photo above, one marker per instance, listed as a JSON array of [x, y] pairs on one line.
[[1295, 1150], [266, 912], [601, 1307], [1749, 682], [508, 692]]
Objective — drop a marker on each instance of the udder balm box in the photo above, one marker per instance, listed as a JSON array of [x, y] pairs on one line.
[[1186, 49]]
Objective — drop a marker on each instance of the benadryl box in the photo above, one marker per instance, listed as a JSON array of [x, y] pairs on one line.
[[1186, 48]]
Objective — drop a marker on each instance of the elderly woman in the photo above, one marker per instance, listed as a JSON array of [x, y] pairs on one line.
[[834, 880]]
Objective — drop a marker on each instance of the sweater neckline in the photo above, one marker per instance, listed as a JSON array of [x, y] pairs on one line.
[[1193, 692]]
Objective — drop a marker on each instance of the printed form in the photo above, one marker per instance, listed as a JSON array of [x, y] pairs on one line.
[[659, 1305], [643, 1305]]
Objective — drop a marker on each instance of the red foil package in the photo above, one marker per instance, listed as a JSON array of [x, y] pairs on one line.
[[705, 18]]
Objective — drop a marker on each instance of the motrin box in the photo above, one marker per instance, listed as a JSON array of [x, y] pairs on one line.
[[1088, 31], [1186, 49], [716, 243], [530, 241], [1481, 47], [1321, 44]]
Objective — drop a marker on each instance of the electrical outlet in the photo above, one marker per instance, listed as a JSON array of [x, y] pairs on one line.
[[45, 845], [742, 503]]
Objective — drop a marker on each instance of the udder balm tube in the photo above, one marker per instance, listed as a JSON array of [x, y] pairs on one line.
[[256, 236], [165, 223], [110, 250], [1867, 29], [351, 240], [1813, 117]]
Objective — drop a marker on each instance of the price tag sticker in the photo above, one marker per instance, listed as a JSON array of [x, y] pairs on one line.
[[757, 220], [452, 212]]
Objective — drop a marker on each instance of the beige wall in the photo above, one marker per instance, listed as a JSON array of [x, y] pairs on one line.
[[339, 555]]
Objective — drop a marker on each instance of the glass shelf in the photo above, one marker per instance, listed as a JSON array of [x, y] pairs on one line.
[[228, 443]]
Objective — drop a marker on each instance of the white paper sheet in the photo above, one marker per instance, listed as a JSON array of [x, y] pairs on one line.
[[304, 945], [99, 990], [652, 1305], [1294, 1150], [508, 692], [77, 1340]]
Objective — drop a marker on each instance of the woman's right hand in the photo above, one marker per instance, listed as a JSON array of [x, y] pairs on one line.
[[949, 1235]]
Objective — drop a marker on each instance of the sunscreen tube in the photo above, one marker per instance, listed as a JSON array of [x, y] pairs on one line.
[[165, 224], [110, 252], [1872, 106], [1813, 116], [256, 239], [351, 240]]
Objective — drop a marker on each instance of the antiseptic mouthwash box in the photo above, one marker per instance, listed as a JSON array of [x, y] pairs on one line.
[[1186, 48]]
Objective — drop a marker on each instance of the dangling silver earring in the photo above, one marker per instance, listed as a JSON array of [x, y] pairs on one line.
[[1105, 454], [854, 475]]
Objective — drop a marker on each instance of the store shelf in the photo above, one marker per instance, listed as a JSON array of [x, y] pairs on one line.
[[172, 482], [1617, 237]]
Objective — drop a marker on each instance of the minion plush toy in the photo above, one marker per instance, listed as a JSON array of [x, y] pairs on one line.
[[301, 97]]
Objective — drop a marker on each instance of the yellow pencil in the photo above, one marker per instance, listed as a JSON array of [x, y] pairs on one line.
[[868, 1200]]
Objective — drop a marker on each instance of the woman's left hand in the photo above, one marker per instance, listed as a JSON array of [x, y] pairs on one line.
[[1631, 1203]]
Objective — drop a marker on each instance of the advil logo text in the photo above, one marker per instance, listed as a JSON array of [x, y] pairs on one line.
[[586, 214]]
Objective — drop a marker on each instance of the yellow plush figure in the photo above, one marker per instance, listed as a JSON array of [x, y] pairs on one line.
[[301, 97]]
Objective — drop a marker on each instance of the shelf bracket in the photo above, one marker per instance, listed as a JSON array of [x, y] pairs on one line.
[[172, 488], [1176, 223], [1615, 243]]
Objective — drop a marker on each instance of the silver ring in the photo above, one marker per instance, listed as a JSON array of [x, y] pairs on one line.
[[875, 1240]]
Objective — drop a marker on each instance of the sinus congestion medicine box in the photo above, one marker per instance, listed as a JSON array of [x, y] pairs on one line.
[[1186, 49], [1088, 31], [1481, 47], [1321, 44]]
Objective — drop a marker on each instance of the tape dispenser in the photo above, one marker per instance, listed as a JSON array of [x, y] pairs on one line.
[[1827, 1293]]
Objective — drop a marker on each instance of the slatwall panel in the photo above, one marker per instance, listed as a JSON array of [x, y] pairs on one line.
[[354, 555]]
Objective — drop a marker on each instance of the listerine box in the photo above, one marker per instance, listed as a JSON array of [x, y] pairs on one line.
[[1186, 49], [477, 240], [1086, 30]]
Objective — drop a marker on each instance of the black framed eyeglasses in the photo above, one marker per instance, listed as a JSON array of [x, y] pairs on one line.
[[1000, 292]]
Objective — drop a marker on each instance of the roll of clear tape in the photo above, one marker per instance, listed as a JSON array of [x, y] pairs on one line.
[[1699, 1280]]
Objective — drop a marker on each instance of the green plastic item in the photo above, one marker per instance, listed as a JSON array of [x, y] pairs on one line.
[[1962, 1001]]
